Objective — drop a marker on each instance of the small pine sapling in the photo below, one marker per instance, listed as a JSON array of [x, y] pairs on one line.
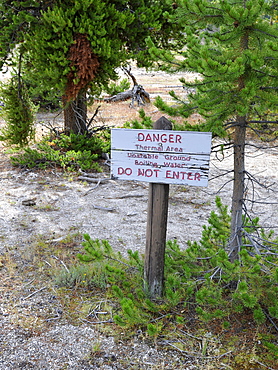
[[18, 113]]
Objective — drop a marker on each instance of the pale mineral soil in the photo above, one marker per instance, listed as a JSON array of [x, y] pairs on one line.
[[117, 210], [34, 332]]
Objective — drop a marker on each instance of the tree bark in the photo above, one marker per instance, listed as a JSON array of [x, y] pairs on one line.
[[239, 166], [238, 188], [75, 115]]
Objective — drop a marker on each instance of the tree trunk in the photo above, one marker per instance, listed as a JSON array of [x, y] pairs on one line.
[[238, 188], [239, 166], [84, 66], [75, 115]]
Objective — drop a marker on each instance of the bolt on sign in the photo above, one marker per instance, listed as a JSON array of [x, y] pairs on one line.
[[157, 156]]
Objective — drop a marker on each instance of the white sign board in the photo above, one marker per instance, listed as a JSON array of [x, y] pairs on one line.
[[158, 156]]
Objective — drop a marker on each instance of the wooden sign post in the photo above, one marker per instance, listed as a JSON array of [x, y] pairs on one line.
[[156, 230], [160, 157]]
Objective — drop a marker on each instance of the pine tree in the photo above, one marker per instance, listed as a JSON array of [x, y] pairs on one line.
[[74, 47], [16, 17], [232, 45]]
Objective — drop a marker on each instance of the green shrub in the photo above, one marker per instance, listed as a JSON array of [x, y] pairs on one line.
[[208, 301], [68, 152], [146, 122], [199, 278], [18, 113]]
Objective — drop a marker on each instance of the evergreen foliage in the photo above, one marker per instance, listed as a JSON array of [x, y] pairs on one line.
[[145, 123], [114, 88], [16, 19], [18, 113], [205, 293], [70, 152], [199, 279], [74, 47], [232, 45]]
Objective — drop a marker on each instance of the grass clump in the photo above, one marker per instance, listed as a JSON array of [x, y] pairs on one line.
[[81, 276]]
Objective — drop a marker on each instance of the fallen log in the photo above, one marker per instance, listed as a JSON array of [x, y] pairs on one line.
[[137, 95]]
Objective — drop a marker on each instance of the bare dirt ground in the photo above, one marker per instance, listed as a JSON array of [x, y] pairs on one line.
[[36, 329]]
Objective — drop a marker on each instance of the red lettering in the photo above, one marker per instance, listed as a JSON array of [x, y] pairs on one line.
[[163, 138], [176, 175], [171, 138], [197, 176], [140, 136], [156, 172], [148, 172], [155, 137], [168, 173], [182, 175], [124, 171]]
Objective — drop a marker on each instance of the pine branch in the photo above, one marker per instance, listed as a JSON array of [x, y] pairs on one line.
[[274, 325], [265, 33], [262, 121], [270, 87]]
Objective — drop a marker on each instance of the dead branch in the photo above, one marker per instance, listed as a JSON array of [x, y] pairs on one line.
[[84, 66], [62, 262], [127, 71], [270, 319], [93, 117], [122, 96], [104, 208], [258, 202], [94, 187], [127, 196], [32, 294], [136, 94], [253, 242], [252, 178], [98, 322], [92, 179], [222, 174]]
